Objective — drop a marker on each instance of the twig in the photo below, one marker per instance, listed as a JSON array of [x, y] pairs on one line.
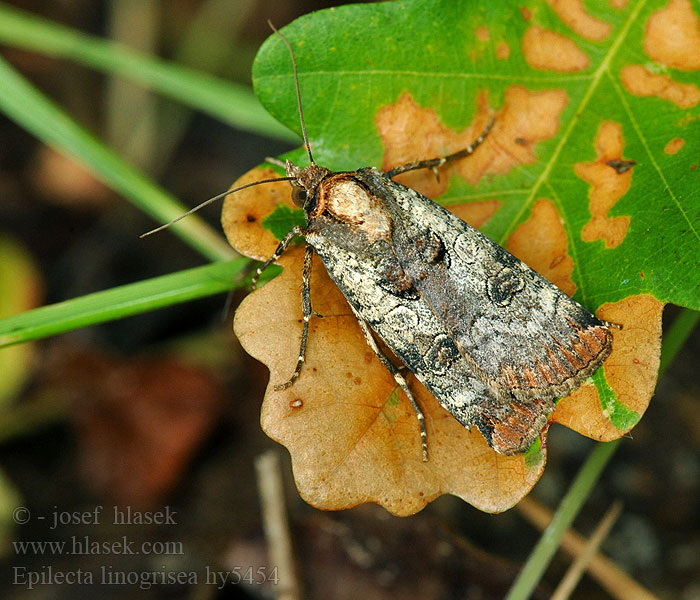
[[615, 581], [573, 575], [276, 525]]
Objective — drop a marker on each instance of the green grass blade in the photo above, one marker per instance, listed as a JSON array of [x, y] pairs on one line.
[[549, 541], [26, 105], [580, 489], [122, 301], [231, 103]]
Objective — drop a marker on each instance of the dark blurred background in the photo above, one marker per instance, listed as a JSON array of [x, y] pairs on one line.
[[162, 410]]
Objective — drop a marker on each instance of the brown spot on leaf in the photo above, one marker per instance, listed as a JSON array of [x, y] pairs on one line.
[[410, 132], [244, 234], [503, 51], [674, 146], [619, 4], [641, 82], [574, 14], [672, 36], [548, 50], [607, 187], [526, 13], [541, 242], [630, 370], [475, 213], [482, 34]]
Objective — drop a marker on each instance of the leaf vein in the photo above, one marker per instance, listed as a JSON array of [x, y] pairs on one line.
[[652, 159], [595, 80]]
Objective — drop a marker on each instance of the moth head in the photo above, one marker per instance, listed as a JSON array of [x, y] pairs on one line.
[[305, 185]]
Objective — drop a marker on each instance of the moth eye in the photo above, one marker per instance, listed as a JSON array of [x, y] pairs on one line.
[[298, 196]]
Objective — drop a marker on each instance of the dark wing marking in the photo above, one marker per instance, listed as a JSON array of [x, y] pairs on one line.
[[519, 334]]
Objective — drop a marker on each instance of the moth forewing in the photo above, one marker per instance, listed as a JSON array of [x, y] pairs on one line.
[[491, 339]]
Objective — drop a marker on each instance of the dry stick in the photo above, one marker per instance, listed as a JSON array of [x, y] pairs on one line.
[[276, 525], [615, 581], [574, 573]]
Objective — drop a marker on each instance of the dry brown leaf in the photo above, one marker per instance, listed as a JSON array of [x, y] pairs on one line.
[[352, 436], [138, 421]]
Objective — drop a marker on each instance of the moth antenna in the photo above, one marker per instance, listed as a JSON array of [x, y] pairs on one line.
[[213, 199], [296, 84]]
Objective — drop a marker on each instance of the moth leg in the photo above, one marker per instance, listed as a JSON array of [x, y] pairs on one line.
[[371, 342], [308, 311], [279, 252], [435, 163]]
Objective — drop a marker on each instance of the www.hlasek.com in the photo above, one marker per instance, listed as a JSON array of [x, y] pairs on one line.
[[108, 575], [84, 545]]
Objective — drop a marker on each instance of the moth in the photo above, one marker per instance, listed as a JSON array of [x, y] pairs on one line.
[[495, 342]]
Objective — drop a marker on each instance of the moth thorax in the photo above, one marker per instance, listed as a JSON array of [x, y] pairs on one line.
[[349, 201]]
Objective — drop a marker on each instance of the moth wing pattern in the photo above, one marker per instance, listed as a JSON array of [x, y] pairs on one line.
[[422, 297], [417, 337], [521, 336], [423, 343]]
